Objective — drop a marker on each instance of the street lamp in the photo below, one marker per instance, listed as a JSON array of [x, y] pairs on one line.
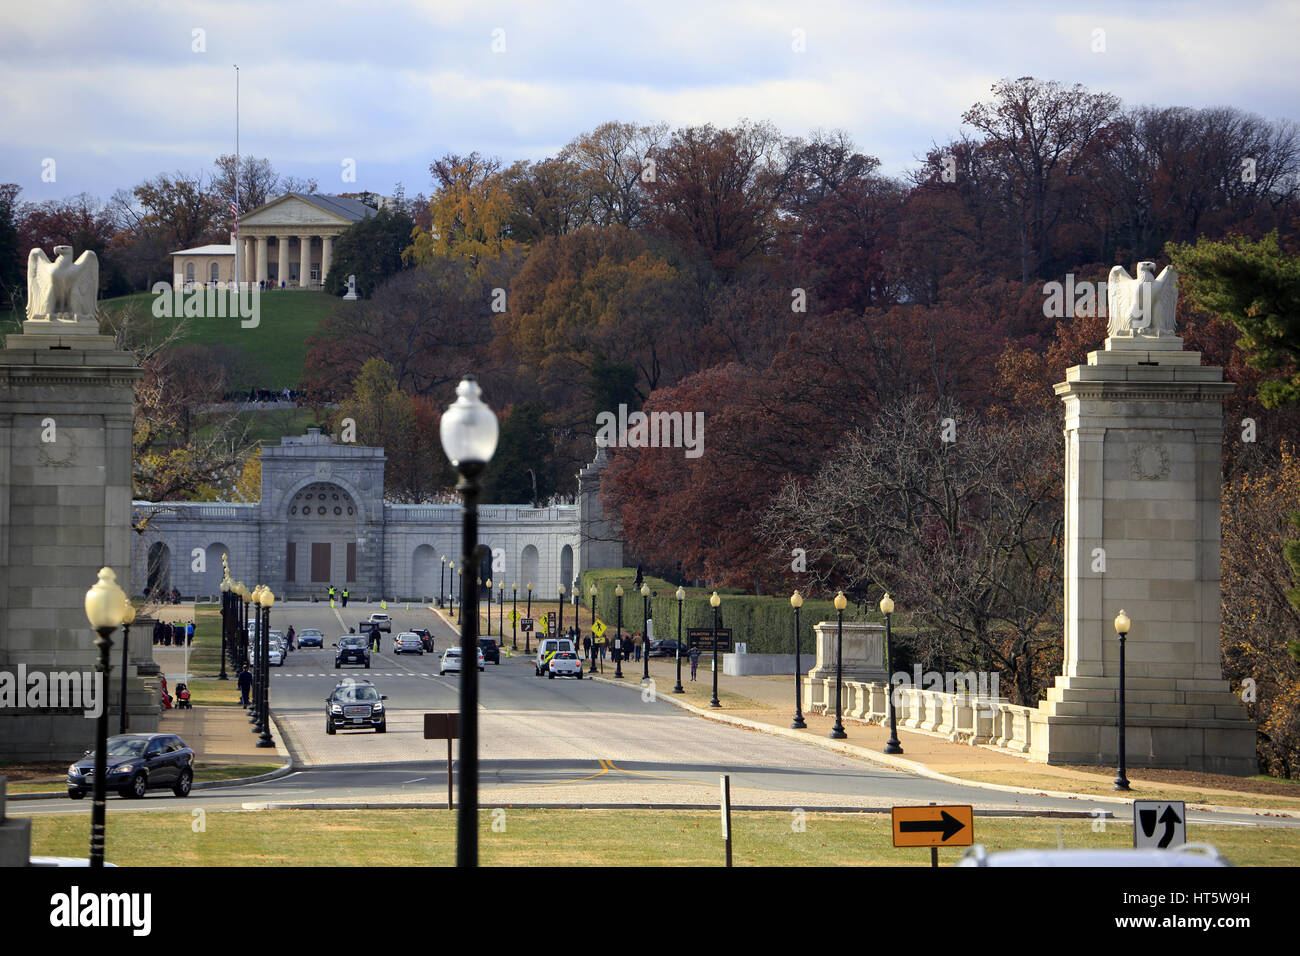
[[489, 613], [501, 614], [1122, 625], [714, 601], [252, 658], [261, 648], [529, 611], [559, 627], [796, 602], [514, 616], [128, 615], [442, 578], [268, 599], [645, 631], [594, 649], [892, 745], [225, 623], [105, 609], [460, 594], [681, 596], [618, 640], [837, 732], [469, 437]]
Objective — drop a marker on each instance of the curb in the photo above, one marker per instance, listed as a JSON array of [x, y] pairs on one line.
[[920, 769], [713, 807], [283, 771]]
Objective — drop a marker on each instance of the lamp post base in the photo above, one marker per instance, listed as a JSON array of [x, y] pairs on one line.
[[1121, 783], [798, 723], [837, 733], [892, 747]]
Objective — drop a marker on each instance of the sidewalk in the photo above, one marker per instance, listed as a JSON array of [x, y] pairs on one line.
[[221, 735]]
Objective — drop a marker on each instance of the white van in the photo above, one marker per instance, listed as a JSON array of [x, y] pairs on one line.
[[546, 647]]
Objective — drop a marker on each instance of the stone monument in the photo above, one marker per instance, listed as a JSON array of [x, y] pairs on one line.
[[1143, 447], [66, 411], [352, 290]]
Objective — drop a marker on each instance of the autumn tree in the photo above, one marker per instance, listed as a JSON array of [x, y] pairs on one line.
[[469, 213], [618, 159], [251, 182]]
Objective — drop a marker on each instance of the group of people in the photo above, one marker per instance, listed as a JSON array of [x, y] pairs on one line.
[[633, 648], [173, 635], [335, 592]]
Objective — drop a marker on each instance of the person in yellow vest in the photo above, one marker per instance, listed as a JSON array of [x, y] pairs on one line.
[[331, 593], [345, 597]]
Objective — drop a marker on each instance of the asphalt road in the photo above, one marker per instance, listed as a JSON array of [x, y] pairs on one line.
[[562, 742]]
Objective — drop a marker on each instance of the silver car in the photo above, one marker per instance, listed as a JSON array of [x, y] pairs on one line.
[[406, 642]]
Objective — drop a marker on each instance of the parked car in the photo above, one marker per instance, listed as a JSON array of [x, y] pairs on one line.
[[383, 620], [564, 664], [548, 647], [354, 705], [310, 638], [667, 649], [136, 763], [351, 649], [426, 637], [490, 650], [407, 642], [451, 660]]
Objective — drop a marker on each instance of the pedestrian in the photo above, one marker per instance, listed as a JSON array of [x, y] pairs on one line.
[[602, 653], [245, 685], [637, 641], [374, 636], [695, 660], [345, 597], [189, 634], [289, 637], [331, 594]]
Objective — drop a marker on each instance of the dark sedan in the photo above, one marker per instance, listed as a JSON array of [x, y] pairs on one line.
[[136, 763], [310, 637], [667, 649]]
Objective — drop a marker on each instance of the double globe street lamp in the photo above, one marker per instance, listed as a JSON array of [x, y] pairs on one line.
[[469, 432]]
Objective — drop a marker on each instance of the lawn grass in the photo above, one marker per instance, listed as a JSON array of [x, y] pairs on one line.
[[509, 837], [278, 344]]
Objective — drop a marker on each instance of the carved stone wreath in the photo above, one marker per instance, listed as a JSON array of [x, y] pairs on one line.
[[1149, 461]]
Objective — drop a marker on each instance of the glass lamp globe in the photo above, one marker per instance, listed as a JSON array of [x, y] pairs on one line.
[[796, 600], [841, 602], [886, 604], [714, 601], [468, 428], [681, 594], [105, 601]]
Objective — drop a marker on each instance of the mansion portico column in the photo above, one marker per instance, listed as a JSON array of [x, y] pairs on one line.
[[304, 261], [261, 258], [282, 246], [326, 256], [249, 263]]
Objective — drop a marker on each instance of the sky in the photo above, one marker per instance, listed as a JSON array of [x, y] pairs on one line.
[[99, 96]]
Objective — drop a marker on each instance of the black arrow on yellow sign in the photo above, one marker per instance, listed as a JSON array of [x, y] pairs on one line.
[[948, 825]]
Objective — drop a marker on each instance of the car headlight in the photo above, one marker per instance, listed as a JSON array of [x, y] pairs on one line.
[[378, 708], [336, 709], [74, 770], [124, 768]]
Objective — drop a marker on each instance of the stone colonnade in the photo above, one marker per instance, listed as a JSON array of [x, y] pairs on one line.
[[255, 263]]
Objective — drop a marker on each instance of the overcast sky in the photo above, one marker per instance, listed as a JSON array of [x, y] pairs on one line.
[[118, 92]]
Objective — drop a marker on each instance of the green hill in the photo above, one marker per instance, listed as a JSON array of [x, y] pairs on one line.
[[278, 344]]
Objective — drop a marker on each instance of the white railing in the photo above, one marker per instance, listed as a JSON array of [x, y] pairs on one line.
[[962, 718]]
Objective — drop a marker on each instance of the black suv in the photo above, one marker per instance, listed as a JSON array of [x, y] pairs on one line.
[[491, 652], [426, 638], [352, 649], [135, 763], [353, 705]]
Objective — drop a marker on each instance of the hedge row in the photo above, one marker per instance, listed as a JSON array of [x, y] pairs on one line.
[[766, 624]]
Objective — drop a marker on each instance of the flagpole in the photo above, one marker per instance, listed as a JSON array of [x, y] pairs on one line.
[[238, 273]]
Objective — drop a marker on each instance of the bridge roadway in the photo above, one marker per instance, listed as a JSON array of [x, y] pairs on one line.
[[562, 742]]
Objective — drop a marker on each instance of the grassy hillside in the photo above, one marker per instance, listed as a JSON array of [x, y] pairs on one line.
[[278, 345]]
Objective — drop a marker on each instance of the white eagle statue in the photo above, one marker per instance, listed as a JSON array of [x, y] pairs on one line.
[[62, 290], [1142, 306]]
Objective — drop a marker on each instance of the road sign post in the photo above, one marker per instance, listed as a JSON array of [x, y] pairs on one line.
[[1159, 823], [726, 814], [933, 827], [440, 726]]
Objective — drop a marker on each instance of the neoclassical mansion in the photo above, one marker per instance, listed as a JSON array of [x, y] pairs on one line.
[[322, 520]]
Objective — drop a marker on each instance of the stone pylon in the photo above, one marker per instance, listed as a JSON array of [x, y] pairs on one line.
[[1143, 451], [66, 406]]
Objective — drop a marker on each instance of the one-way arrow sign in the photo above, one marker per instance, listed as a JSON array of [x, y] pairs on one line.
[[933, 826]]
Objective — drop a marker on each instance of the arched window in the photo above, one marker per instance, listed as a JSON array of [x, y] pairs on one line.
[[213, 273], [189, 272]]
